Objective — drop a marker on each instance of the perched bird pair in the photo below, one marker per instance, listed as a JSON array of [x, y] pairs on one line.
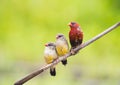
[[55, 50], [60, 48]]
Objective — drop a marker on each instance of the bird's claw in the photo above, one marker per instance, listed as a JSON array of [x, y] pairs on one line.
[[72, 52]]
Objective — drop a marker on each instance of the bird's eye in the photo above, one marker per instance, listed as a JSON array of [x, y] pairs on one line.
[[60, 35], [50, 44]]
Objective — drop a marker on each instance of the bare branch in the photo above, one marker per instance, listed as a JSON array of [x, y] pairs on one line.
[[35, 73], [98, 36]]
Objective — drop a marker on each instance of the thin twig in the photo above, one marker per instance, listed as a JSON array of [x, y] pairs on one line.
[[35, 73], [98, 36]]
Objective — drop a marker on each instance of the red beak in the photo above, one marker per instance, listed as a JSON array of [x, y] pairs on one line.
[[56, 37], [69, 24], [46, 45]]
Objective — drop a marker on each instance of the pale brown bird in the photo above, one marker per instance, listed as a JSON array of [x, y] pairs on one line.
[[50, 55], [62, 47]]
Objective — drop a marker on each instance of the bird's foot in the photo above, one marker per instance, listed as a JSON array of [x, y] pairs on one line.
[[72, 51]]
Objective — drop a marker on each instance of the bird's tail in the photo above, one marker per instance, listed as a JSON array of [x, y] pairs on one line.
[[64, 62], [52, 71]]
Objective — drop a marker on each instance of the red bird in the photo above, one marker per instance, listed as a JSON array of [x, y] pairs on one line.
[[75, 35]]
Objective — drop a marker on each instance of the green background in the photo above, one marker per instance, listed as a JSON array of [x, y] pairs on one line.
[[26, 25]]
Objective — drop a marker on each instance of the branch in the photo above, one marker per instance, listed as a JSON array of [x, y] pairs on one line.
[[35, 73]]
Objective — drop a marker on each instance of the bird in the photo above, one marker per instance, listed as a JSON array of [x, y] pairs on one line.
[[75, 35], [50, 56], [62, 46]]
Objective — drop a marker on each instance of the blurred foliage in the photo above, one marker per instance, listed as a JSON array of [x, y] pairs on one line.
[[26, 25]]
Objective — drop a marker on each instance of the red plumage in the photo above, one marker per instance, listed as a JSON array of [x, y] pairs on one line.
[[75, 34]]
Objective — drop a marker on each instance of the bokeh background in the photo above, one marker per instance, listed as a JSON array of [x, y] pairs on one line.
[[26, 25]]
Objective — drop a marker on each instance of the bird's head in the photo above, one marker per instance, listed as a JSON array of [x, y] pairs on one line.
[[59, 36], [73, 25], [50, 45]]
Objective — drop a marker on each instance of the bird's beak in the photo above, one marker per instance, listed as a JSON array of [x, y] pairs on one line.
[[46, 45], [69, 24], [56, 37]]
